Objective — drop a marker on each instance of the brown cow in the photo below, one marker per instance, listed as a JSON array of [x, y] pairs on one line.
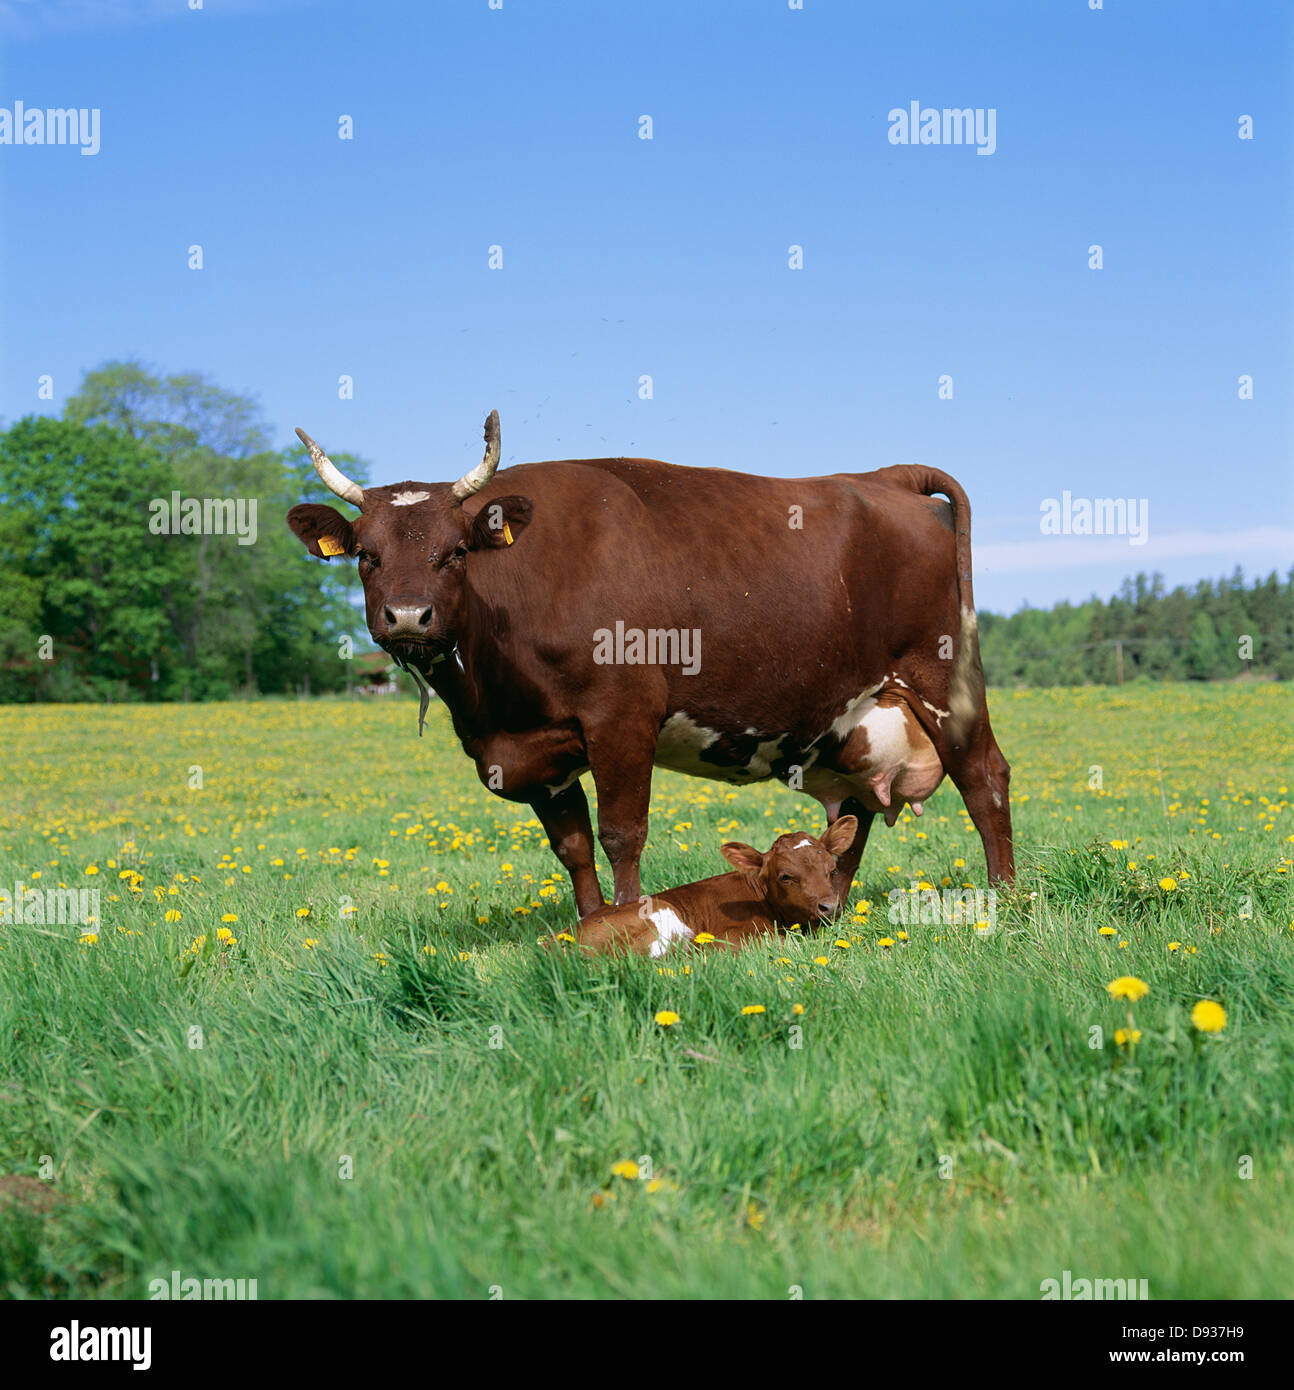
[[792, 885], [605, 615]]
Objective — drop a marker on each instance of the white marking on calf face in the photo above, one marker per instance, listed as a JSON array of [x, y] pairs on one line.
[[670, 927], [407, 499], [802, 844]]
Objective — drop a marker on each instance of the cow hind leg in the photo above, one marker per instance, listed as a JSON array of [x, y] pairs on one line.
[[983, 776]]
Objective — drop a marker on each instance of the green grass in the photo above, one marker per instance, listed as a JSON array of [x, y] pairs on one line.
[[940, 1125]]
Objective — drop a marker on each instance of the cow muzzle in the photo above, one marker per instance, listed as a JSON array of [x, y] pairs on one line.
[[403, 621]]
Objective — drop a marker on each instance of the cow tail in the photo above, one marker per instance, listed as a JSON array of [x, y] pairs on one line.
[[966, 689]]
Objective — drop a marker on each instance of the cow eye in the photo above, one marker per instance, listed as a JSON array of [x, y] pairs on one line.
[[460, 550], [787, 878], [365, 558]]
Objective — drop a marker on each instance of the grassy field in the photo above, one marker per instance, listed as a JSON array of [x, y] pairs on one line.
[[311, 1040]]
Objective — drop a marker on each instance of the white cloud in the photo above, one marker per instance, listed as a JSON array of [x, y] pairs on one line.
[[1090, 552]]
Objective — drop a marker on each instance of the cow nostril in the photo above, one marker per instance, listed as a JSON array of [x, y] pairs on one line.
[[425, 619], [389, 616], [826, 909]]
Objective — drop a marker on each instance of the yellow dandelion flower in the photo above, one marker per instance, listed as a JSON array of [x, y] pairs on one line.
[[626, 1169], [1209, 1017], [1169, 885], [1128, 987], [1124, 1036], [753, 1009], [667, 1018]]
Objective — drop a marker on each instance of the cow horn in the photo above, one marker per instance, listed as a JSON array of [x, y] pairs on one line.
[[484, 471], [334, 479]]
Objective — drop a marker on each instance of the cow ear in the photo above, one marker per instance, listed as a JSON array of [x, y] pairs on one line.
[[744, 857], [322, 530], [499, 523], [841, 835]]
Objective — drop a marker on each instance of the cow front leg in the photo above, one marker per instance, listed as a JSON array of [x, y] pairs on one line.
[[620, 758], [565, 818]]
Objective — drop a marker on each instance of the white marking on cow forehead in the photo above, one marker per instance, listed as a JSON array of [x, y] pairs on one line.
[[407, 499], [670, 927], [803, 844]]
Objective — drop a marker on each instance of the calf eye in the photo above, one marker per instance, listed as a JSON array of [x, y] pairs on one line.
[[787, 878]]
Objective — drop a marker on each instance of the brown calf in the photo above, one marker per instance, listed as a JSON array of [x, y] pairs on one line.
[[794, 884]]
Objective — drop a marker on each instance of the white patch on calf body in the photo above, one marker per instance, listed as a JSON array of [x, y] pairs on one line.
[[407, 499], [670, 927]]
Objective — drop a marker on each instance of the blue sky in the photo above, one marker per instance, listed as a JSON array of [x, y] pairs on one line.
[[624, 257]]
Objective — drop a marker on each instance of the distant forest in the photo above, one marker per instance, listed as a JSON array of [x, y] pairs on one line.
[[108, 595], [1210, 631]]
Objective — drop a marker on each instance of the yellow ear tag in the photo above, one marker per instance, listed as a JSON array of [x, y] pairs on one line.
[[507, 533], [329, 546]]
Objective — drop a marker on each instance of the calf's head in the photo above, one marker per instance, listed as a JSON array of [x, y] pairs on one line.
[[413, 543], [794, 877]]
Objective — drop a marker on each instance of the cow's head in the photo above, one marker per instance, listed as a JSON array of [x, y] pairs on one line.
[[413, 542], [794, 877]]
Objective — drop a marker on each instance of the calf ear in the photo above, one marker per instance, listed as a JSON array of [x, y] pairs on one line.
[[499, 522], [322, 530], [841, 835], [744, 857]]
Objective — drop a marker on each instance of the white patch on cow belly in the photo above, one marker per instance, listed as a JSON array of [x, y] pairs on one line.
[[887, 735], [855, 712], [407, 499], [557, 788], [681, 742], [670, 927]]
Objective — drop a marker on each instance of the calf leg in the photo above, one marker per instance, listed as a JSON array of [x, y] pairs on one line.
[[565, 818]]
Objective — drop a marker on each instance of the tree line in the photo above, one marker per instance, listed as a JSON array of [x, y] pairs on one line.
[[104, 600], [117, 585], [1213, 630]]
